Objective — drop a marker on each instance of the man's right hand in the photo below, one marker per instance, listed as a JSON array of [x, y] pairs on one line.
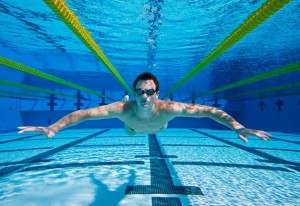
[[47, 131]]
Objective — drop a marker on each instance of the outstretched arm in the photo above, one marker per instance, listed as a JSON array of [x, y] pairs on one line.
[[195, 110], [107, 111]]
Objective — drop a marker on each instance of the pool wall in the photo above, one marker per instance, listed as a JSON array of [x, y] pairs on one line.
[[272, 116], [279, 113], [248, 113]]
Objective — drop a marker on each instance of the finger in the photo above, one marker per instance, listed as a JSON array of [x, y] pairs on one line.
[[268, 135], [28, 129], [22, 127], [22, 131], [243, 138], [264, 135], [261, 134]]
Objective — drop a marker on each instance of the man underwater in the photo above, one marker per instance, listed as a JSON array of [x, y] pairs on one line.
[[147, 113]]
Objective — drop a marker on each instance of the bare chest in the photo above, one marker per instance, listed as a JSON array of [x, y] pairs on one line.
[[146, 125]]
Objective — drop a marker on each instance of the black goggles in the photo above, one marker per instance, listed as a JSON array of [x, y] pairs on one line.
[[149, 92]]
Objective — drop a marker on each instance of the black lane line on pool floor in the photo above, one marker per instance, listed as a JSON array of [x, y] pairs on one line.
[[161, 179], [20, 138], [195, 145], [275, 149], [57, 138], [216, 164], [80, 165], [166, 201], [24, 149], [111, 145], [270, 158], [285, 140], [23, 163]]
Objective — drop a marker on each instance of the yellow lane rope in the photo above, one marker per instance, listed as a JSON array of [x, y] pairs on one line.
[[273, 96], [272, 89], [35, 72], [277, 72], [27, 87], [257, 18], [23, 94], [60, 8]]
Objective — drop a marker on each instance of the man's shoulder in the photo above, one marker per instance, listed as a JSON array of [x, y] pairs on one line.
[[119, 108], [115, 106], [169, 103], [170, 106]]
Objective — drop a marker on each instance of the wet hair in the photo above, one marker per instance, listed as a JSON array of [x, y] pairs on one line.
[[146, 76]]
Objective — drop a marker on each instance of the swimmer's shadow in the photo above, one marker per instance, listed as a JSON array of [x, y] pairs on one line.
[[106, 197]]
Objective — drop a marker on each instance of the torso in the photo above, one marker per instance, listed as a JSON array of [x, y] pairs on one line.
[[135, 124], [149, 126]]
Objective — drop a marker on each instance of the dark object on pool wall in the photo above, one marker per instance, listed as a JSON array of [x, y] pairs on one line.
[[78, 103], [51, 104], [102, 98], [279, 103], [262, 104], [216, 104]]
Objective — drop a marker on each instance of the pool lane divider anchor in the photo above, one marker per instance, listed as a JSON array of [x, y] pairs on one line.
[[51, 103], [44, 75], [261, 105], [21, 164], [61, 9], [78, 104], [279, 104], [103, 99], [257, 18]]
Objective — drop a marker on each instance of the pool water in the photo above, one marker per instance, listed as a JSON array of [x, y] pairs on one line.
[[174, 167]]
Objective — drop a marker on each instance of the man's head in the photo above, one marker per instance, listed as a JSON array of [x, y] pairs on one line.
[[146, 88], [146, 76]]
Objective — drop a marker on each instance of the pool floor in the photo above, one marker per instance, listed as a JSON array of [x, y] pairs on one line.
[[175, 167]]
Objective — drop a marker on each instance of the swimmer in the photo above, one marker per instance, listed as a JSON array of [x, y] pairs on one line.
[[147, 114]]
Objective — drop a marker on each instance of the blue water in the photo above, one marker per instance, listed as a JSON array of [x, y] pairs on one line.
[[168, 38], [100, 170], [96, 163]]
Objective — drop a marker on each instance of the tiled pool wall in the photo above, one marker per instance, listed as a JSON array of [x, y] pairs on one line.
[[277, 114]]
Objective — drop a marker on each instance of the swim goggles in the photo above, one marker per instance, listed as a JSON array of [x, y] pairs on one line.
[[149, 92]]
